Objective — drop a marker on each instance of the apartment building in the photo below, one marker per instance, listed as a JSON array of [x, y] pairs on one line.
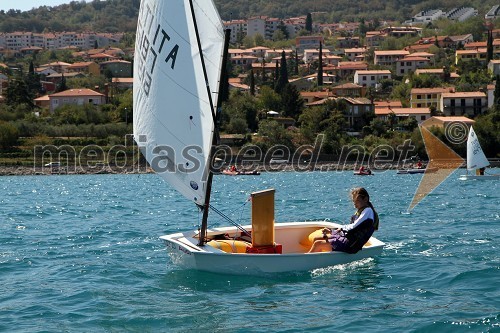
[[238, 29], [308, 42], [87, 67], [357, 108], [427, 97], [389, 58], [349, 90], [371, 78], [374, 38], [347, 68], [479, 54], [419, 114], [463, 103], [311, 55], [410, 63], [355, 54], [18, 40], [263, 25]]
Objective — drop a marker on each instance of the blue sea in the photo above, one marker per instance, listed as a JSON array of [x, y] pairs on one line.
[[82, 254]]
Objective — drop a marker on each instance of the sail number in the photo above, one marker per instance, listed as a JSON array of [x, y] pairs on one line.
[[153, 43]]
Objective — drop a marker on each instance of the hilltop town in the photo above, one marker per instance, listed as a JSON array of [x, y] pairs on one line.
[[290, 80]]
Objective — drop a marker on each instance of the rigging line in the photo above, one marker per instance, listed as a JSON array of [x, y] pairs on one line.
[[227, 218]]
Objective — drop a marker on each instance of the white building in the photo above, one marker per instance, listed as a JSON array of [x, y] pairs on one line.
[[371, 78], [461, 14], [410, 63], [494, 67], [425, 16], [310, 55], [493, 13]]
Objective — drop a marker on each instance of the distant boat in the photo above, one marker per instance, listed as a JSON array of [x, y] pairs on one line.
[[181, 51], [476, 160], [240, 173], [416, 170]]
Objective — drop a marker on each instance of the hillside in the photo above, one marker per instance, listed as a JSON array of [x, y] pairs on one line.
[[120, 15]]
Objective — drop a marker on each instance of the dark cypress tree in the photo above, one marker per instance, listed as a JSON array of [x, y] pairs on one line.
[[263, 70], [309, 22], [276, 75], [252, 83], [283, 69], [62, 85], [283, 75], [296, 67], [33, 80], [320, 65], [489, 46]]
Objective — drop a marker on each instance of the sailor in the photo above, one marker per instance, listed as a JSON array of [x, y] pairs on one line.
[[351, 237]]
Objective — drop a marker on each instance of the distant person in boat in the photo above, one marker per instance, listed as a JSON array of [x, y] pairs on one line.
[[351, 237], [362, 170], [233, 168], [480, 172], [419, 165]]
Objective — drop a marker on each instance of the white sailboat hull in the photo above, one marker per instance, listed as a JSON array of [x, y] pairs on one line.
[[185, 252], [476, 177]]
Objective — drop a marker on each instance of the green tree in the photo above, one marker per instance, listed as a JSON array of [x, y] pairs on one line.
[[259, 40], [487, 128], [18, 92], [312, 121], [309, 22], [8, 135], [248, 42], [275, 134], [292, 101], [283, 29], [268, 99]]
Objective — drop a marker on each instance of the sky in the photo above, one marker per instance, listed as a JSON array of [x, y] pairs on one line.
[[25, 5]]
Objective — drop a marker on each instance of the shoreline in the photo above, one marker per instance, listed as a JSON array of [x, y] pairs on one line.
[[320, 166]]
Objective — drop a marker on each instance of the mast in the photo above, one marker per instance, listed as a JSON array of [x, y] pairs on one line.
[[206, 205]]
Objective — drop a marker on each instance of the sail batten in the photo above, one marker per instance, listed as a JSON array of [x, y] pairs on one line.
[[174, 102], [475, 155]]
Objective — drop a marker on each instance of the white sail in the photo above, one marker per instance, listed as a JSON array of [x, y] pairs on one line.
[[174, 100], [475, 156]]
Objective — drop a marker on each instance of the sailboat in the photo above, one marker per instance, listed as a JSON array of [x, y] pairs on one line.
[[476, 160], [179, 62]]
